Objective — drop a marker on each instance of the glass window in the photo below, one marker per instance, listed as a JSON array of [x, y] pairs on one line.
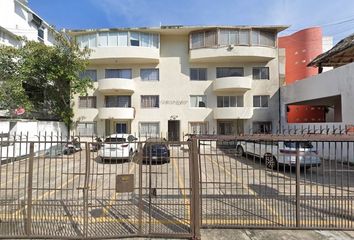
[[261, 101], [255, 37], [260, 73], [197, 40], [198, 127], [113, 39], [229, 72], [118, 73], [149, 129], [123, 39], [87, 102], [150, 101], [198, 74], [86, 129], [210, 38], [103, 39], [155, 40], [134, 39], [267, 38], [198, 101], [118, 101], [229, 101], [149, 74], [244, 37], [92, 74], [262, 127], [145, 39]]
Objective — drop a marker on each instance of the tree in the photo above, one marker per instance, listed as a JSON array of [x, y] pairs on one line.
[[43, 79]]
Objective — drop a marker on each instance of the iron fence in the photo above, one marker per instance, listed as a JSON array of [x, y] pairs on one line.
[[53, 187]]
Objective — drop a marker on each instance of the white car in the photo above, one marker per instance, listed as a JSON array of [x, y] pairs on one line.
[[281, 153], [118, 146]]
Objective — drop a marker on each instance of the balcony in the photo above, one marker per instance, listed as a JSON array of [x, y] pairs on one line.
[[233, 53], [116, 86], [233, 113], [129, 54], [116, 113], [235, 84]]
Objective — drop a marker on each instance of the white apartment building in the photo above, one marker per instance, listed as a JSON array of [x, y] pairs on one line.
[[174, 80], [18, 20]]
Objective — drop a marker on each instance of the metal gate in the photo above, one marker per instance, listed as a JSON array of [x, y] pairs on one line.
[[297, 182], [45, 194]]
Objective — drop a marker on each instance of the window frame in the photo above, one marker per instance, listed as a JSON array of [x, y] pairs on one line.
[[83, 74], [150, 80], [87, 135], [149, 123], [261, 101], [144, 107], [198, 102], [119, 72], [260, 73], [198, 71], [86, 102], [218, 69], [237, 104]]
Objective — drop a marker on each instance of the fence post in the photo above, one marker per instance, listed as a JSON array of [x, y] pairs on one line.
[[195, 198], [29, 190], [86, 187], [297, 185]]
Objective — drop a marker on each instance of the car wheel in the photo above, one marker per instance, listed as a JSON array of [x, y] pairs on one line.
[[270, 161], [239, 151]]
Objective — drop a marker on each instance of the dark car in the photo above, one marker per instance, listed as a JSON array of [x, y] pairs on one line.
[[156, 151]]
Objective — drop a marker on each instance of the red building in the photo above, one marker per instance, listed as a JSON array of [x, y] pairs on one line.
[[300, 49]]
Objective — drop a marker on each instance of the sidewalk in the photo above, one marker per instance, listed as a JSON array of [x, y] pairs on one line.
[[226, 234]]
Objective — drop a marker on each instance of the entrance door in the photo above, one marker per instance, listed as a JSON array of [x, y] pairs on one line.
[[121, 128], [173, 130]]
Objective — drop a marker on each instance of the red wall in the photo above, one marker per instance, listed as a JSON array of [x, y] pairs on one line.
[[300, 48]]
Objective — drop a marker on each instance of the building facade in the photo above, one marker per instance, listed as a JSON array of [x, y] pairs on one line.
[[18, 20], [301, 48], [174, 80]]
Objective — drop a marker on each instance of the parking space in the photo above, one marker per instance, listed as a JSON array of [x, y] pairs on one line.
[[77, 196]]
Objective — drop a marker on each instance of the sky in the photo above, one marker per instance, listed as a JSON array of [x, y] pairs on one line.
[[335, 17]]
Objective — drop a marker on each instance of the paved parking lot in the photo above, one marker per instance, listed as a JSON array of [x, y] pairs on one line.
[[235, 192]]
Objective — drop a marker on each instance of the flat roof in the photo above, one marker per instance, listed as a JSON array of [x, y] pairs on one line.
[[175, 29]]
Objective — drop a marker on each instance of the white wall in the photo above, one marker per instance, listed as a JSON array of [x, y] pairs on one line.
[[339, 81]]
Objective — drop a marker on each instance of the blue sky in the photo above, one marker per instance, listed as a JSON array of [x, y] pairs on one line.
[[336, 17]]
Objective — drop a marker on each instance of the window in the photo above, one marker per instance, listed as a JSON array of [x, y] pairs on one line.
[[149, 74], [149, 129], [41, 34], [103, 39], [198, 74], [244, 37], [87, 40], [151, 101], [229, 72], [198, 101], [123, 39], [118, 101], [229, 101], [260, 73], [262, 127], [197, 40], [92, 74], [261, 101], [86, 129], [118, 73], [198, 127], [228, 37], [267, 39], [225, 128], [134, 39], [87, 102]]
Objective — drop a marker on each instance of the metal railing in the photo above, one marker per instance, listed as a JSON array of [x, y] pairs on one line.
[[53, 187]]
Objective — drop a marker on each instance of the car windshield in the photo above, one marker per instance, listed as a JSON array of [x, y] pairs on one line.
[[118, 140], [301, 144]]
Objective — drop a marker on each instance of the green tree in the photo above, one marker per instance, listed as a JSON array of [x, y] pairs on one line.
[[43, 79]]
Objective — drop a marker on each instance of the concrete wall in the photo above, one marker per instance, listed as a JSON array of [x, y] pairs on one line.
[[337, 82]]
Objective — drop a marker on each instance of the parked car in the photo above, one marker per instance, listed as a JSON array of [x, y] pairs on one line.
[[118, 146], [72, 147], [97, 145], [281, 153], [156, 151]]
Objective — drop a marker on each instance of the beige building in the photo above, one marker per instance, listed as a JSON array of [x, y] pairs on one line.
[[174, 80]]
